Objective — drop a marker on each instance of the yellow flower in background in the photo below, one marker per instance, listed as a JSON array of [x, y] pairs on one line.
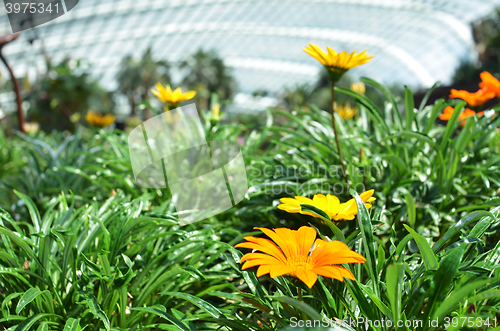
[[31, 127], [172, 98], [345, 111], [216, 112], [99, 121], [358, 87], [169, 118], [337, 63], [299, 254], [330, 204]]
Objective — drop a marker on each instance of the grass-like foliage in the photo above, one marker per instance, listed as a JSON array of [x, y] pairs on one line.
[[84, 248]]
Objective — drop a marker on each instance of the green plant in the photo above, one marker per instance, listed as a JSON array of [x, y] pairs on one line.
[[109, 265], [61, 98], [205, 72], [426, 174], [137, 77], [410, 284], [83, 247]]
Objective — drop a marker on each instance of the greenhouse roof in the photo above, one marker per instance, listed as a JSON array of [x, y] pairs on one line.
[[414, 42]]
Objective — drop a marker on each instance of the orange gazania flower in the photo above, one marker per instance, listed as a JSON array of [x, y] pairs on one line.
[[473, 99], [299, 254], [490, 83], [448, 111]]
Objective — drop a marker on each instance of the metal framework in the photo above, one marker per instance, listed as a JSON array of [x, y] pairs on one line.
[[414, 42]]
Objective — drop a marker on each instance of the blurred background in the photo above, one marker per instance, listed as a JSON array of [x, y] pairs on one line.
[[106, 55]]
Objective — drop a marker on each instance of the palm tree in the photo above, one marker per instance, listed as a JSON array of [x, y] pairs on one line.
[[206, 73], [136, 78]]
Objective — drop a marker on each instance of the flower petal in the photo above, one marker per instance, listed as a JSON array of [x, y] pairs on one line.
[[306, 276], [306, 236]]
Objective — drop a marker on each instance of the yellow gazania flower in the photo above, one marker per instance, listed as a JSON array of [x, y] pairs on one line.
[[337, 63], [358, 87], [31, 127], [216, 112], [172, 98], [330, 204], [299, 254], [169, 118], [99, 121], [346, 111]]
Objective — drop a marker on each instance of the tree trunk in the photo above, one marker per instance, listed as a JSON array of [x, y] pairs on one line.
[[20, 114]]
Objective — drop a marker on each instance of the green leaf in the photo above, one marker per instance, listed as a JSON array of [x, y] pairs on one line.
[[162, 314], [28, 323], [458, 295], [486, 295], [5, 303], [458, 226], [43, 327], [494, 255], [96, 270], [121, 281], [442, 280], [481, 226], [197, 274], [451, 125], [328, 297], [394, 283], [409, 108], [402, 244], [427, 95], [421, 137], [387, 93], [200, 303], [376, 300], [27, 297], [33, 210], [369, 105], [381, 258], [324, 216], [360, 299], [302, 306], [436, 111], [365, 224], [428, 256], [410, 207], [96, 309], [72, 325]]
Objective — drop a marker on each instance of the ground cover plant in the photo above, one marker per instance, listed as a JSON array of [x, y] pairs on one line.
[[386, 219]]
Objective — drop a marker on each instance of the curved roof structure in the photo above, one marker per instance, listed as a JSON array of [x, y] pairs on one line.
[[415, 42]]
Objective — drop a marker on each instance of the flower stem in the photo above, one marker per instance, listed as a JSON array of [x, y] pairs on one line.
[[301, 300], [344, 173]]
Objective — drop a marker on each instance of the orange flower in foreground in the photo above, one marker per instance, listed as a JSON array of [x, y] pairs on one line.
[[299, 254], [448, 111], [490, 83], [473, 99]]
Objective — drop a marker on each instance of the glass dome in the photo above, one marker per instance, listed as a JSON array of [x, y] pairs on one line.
[[415, 42]]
